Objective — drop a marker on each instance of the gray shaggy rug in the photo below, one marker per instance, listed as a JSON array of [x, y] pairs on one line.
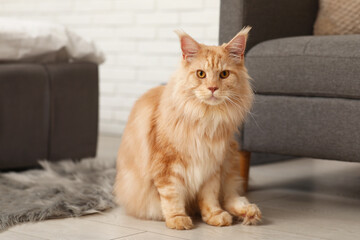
[[58, 190]]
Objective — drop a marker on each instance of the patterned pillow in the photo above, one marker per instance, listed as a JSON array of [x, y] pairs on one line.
[[338, 17]]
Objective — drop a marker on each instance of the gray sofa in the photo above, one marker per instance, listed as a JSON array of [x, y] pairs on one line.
[[307, 87], [47, 111]]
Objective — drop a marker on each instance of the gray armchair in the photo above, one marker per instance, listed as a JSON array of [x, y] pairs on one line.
[[307, 87]]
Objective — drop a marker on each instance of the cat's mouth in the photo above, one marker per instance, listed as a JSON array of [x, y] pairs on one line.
[[209, 99], [212, 100]]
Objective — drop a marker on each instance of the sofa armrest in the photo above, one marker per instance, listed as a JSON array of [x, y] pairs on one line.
[[270, 19]]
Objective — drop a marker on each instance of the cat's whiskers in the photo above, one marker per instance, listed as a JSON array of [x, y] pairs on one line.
[[240, 99], [233, 102], [231, 93]]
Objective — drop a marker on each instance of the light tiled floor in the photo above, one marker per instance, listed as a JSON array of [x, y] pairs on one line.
[[300, 199]]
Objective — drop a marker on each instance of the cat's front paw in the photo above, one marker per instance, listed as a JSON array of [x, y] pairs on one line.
[[219, 219], [179, 222], [249, 213]]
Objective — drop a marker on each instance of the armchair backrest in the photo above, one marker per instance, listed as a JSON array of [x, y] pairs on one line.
[[270, 19]]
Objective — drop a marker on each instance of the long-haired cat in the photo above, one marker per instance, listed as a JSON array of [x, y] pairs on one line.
[[178, 155]]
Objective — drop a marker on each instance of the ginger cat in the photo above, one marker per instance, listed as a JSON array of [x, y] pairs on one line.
[[178, 155]]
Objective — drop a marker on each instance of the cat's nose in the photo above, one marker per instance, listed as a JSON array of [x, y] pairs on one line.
[[213, 89]]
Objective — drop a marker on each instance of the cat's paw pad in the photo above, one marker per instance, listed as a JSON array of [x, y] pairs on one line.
[[219, 219], [250, 214], [179, 222]]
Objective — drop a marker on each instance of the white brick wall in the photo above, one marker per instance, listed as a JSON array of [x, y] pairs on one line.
[[137, 37]]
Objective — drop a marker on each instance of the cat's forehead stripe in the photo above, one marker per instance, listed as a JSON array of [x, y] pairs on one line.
[[213, 60]]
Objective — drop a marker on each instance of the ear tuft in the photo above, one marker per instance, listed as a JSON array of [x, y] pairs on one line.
[[189, 46], [236, 46]]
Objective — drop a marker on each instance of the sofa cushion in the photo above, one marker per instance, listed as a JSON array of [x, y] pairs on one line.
[[327, 66], [317, 127], [338, 17]]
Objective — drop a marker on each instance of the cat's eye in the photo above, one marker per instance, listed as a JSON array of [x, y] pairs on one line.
[[224, 74], [200, 74]]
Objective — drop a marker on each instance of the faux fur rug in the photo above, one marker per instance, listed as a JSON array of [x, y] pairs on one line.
[[59, 190]]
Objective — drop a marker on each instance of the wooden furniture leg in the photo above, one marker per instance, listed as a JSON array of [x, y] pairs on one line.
[[244, 168]]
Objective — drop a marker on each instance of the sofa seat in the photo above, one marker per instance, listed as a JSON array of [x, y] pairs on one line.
[[323, 66]]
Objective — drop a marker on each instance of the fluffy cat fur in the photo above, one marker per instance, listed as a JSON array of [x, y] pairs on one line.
[[178, 155]]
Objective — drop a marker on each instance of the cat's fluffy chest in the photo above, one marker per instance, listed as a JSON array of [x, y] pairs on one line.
[[202, 144], [204, 158]]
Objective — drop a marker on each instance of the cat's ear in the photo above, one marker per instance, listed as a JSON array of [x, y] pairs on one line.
[[189, 46], [236, 46]]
